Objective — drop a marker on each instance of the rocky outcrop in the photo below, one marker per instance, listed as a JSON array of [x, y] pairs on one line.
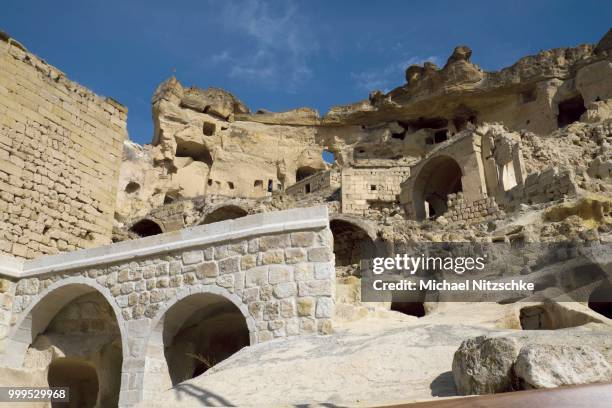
[[486, 365], [549, 366]]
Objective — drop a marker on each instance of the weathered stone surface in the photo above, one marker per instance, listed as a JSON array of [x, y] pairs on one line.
[[549, 366], [485, 365], [60, 154]]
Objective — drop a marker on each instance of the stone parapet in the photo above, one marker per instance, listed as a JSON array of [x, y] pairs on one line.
[[277, 268]]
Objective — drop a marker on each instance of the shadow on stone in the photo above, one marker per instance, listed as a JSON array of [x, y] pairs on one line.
[[443, 385]]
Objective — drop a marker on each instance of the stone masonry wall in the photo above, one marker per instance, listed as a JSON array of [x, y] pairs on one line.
[[277, 268], [363, 188], [548, 185], [459, 209], [60, 152], [316, 182]]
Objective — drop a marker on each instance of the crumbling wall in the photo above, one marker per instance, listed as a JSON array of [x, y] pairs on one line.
[[60, 152], [548, 185], [459, 209], [316, 182], [371, 188]]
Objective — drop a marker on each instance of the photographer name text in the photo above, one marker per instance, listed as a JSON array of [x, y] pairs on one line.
[[444, 285]]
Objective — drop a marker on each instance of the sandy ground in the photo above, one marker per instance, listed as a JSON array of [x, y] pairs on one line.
[[378, 360]]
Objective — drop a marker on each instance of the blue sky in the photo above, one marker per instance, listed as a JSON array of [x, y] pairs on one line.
[[280, 55]]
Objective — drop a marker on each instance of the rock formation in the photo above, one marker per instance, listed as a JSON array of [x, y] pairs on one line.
[[516, 157]]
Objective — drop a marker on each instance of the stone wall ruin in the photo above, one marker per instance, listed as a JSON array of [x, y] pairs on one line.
[[60, 153]]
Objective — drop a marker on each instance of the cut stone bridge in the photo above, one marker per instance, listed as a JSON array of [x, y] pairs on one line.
[[271, 274]]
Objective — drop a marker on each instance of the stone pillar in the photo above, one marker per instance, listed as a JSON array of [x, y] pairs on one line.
[[132, 372]]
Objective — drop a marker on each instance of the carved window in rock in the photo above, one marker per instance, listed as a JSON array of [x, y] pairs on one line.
[[132, 187]]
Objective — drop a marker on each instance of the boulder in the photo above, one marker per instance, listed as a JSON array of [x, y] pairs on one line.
[[483, 365], [549, 366]]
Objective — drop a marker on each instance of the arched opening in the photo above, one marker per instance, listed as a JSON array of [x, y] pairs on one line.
[[304, 171], [79, 376], [228, 212], [570, 111], [437, 179], [74, 335], [146, 228], [199, 332], [600, 300], [351, 244], [132, 187]]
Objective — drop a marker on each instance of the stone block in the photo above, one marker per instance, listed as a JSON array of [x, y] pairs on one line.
[[308, 325], [287, 307], [257, 276], [324, 271], [303, 272], [325, 326], [226, 281], [305, 306], [192, 257], [273, 242], [285, 290], [229, 265], [303, 239], [280, 273], [250, 295], [320, 254], [295, 255], [266, 292], [276, 256], [248, 261], [207, 270], [315, 288], [325, 307]]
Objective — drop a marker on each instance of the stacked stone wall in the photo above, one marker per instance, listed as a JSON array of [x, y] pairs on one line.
[[548, 185], [366, 188], [460, 209], [60, 152], [316, 182], [277, 268]]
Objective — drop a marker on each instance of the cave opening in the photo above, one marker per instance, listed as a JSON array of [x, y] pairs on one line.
[[570, 111], [200, 331]]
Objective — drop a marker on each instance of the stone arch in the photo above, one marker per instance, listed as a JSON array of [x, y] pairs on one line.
[[40, 316], [49, 302], [169, 321], [146, 228], [438, 178], [354, 240], [224, 211]]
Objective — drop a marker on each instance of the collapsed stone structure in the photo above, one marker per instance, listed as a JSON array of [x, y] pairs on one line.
[[456, 154]]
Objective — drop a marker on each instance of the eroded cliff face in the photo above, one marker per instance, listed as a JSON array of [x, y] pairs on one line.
[[539, 93], [555, 106]]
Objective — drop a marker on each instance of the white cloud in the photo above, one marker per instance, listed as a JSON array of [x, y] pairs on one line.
[[388, 77], [279, 39]]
